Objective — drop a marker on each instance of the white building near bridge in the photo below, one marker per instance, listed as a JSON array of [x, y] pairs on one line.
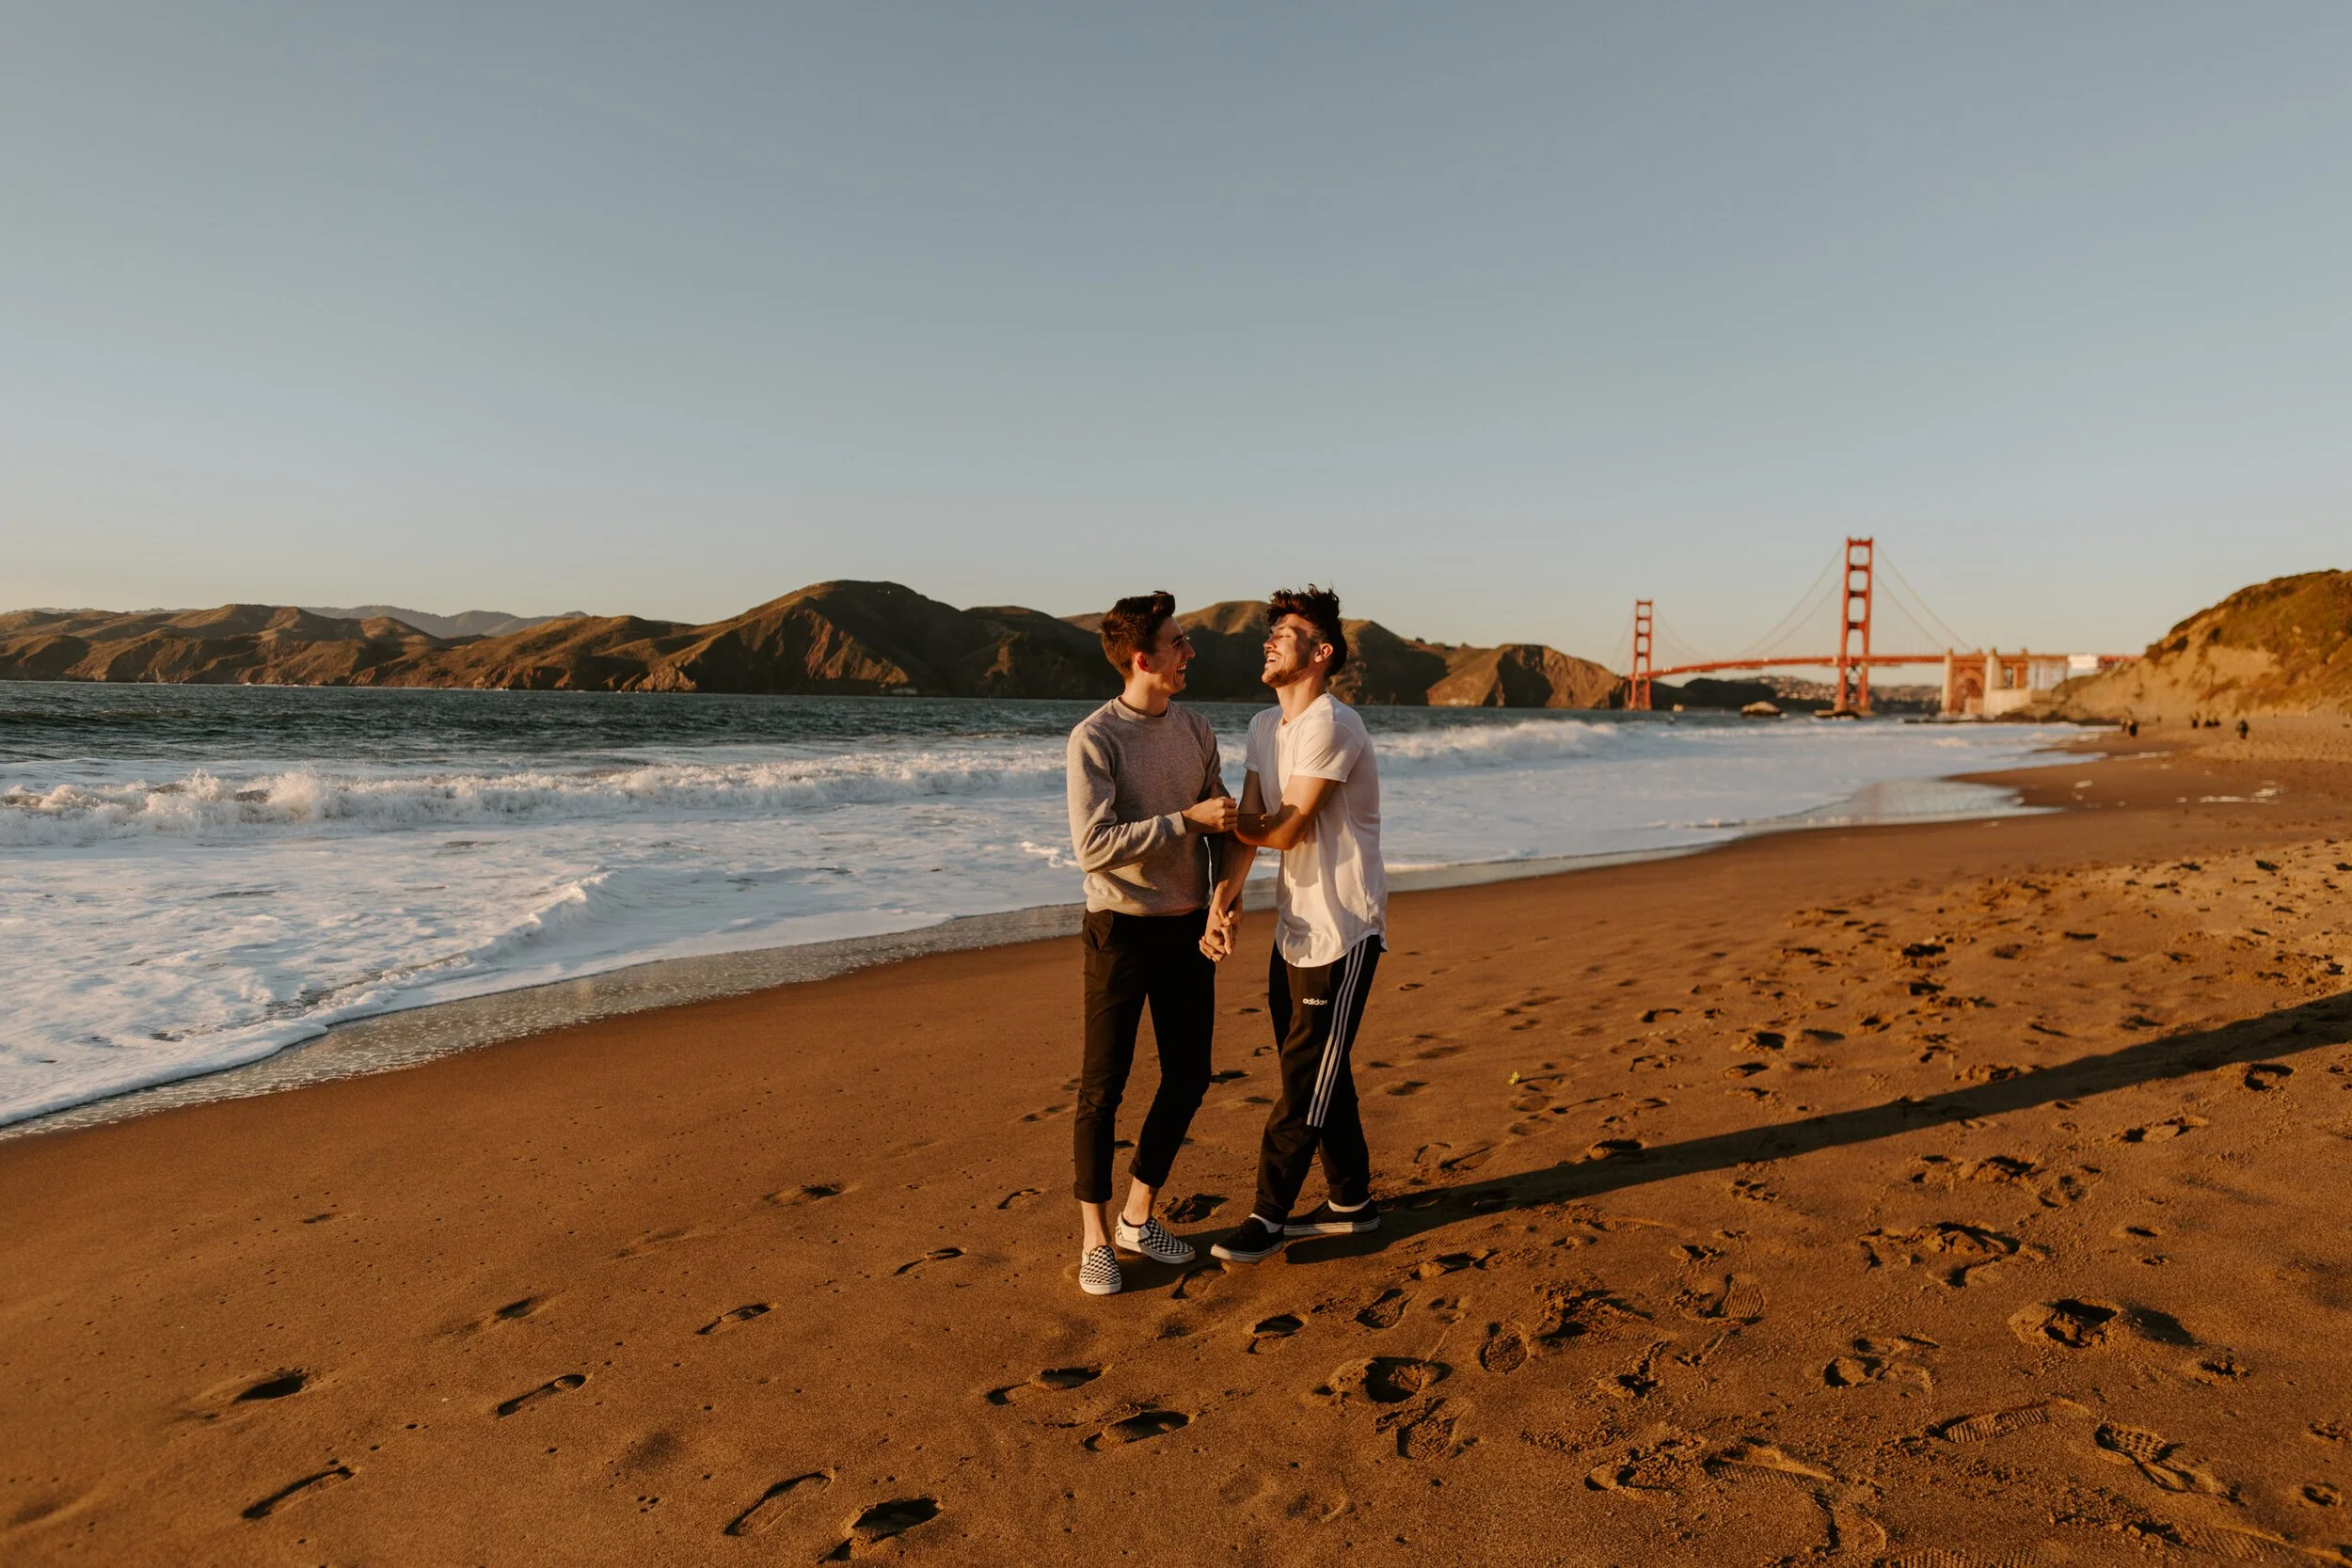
[[1989, 684]]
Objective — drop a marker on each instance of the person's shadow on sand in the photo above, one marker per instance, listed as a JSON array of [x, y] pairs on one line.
[[2248, 1041]]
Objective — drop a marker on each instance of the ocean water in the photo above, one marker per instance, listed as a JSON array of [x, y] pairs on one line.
[[194, 878]]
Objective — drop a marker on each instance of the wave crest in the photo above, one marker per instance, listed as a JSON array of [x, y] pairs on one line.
[[205, 804]]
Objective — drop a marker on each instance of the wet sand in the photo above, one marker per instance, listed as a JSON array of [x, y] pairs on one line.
[[1944, 1195]]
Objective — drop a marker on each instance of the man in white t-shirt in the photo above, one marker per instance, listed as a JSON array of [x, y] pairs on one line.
[[1313, 793]]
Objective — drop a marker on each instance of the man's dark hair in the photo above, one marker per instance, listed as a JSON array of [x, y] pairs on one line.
[[1133, 626], [1320, 608]]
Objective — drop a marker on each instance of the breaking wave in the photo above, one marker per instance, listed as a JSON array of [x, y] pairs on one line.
[[206, 804]]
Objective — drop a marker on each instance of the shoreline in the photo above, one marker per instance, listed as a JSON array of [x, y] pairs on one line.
[[1739, 1200], [406, 1037]]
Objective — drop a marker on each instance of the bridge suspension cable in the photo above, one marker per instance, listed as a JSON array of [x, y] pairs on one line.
[[1789, 624], [1925, 617]]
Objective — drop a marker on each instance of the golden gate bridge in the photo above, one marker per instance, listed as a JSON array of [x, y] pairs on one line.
[[1977, 681]]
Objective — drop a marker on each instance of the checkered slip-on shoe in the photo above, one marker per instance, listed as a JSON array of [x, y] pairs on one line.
[[1150, 1241], [1098, 1273]]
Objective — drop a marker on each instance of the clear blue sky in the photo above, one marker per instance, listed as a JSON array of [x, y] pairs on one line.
[[1498, 316]]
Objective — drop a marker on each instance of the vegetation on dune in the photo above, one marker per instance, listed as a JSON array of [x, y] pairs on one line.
[[2281, 646]]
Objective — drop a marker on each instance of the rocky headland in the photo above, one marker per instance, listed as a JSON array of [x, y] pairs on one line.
[[847, 639], [2278, 647]]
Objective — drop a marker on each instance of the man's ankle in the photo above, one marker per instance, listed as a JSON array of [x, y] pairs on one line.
[[1338, 1208]]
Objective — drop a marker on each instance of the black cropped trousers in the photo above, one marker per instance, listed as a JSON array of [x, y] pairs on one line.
[[1132, 962]]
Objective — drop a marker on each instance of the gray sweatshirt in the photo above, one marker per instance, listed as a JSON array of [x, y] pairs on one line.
[[1131, 776]]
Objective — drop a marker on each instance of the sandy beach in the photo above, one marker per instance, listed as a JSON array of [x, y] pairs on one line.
[[1944, 1195]]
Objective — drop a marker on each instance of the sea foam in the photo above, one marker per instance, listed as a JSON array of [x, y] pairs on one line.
[[174, 904]]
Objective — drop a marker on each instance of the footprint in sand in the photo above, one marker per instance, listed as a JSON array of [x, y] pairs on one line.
[[277, 1386], [2075, 1324], [739, 1315], [1194, 1283], [1616, 1148], [1439, 1052], [1269, 1333], [1467, 1161], [1570, 1313], [1661, 1467], [1638, 1384], [515, 1311], [2268, 1075], [2151, 1455], [814, 1191], [1231, 1075], [2001, 1423], [1139, 1428], [1734, 1298], [1022, 1195], [1384, 1379], [1979, 1248], [1052, 1380], [1199, 1206], [1386, 1311], [2159, 1131], [1046, 1115], [1404, 1086], [937, 1255], [882, 1522], [654, 1241], [564, 1384], [333, 1475], [777, 1500], [1505, 1350], [1425, 1433], [1452, 1263]]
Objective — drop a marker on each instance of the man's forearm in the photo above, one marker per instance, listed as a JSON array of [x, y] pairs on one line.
[[1274, 830], [1106, 845], [1234, 858]]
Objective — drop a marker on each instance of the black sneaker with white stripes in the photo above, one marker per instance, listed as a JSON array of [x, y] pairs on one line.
[[1150, 1241], [1324, 1220], [1098, 1273], [1254, 1243]]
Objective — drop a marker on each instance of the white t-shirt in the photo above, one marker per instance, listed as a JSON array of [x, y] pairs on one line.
[[1333, 891]]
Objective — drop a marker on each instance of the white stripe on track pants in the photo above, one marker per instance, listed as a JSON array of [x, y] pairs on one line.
[[1317, 1012]]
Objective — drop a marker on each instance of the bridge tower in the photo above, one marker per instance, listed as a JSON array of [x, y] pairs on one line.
[[1854, 664], [1637, 684]]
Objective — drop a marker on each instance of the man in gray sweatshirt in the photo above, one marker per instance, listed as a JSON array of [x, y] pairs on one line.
[[1147, 800]]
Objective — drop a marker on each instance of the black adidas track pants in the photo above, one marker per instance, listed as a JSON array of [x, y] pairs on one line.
[[1315, 1013]]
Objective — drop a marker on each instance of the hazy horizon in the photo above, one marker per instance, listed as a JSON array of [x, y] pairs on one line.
[[1497, 319]]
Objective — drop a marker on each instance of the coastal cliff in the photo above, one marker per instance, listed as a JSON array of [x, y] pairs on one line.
[[2278, 647], [847, 639]]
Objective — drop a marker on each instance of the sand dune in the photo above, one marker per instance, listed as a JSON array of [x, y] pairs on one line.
[[2278, 647], [1962, 1193]]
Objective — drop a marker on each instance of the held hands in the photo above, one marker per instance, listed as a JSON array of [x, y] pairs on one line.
[[1215, 814], [1218, 942]]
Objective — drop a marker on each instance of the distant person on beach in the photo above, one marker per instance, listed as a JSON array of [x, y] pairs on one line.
[[1147, 798], [1312, 792]]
